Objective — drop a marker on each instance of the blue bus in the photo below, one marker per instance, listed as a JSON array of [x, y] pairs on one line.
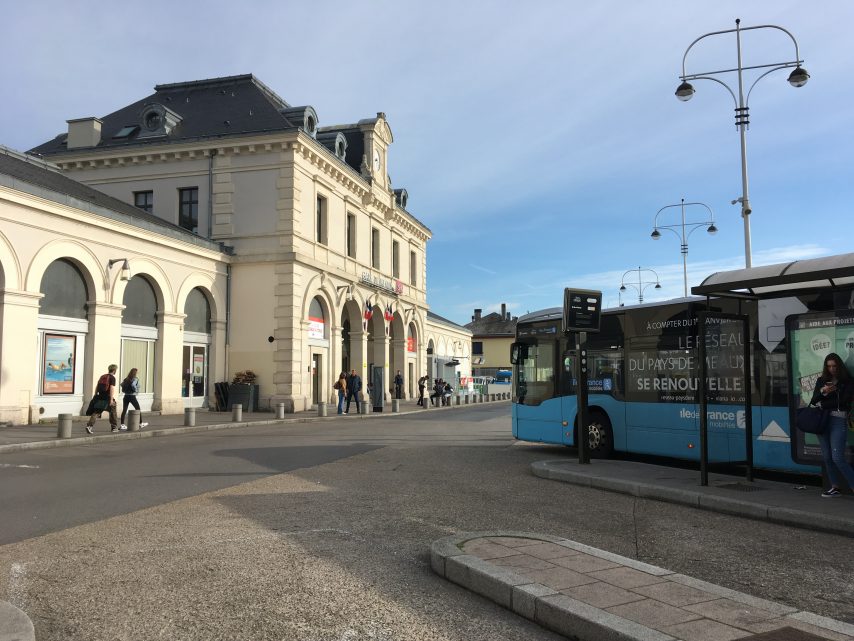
[[643, 379]]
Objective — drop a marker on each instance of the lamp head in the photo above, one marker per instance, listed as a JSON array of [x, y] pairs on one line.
[[622, 288], [712, 229], [685, 91], [658, 285], [655, 235], [798, 77]]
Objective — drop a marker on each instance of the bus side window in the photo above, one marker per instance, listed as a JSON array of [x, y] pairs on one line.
[[567, 373], [606, 373]]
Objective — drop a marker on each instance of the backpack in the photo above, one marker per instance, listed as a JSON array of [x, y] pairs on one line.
[[127, 386], [103, 384]]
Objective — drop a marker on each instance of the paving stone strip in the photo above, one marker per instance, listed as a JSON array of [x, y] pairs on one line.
[[592, 595], [14, 624]]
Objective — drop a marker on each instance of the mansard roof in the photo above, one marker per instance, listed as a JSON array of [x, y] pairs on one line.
[[42, 179], [214, 108]]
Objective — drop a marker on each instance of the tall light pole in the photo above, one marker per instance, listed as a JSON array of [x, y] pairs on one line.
[[691, 226], [798, 78], [641, 284]]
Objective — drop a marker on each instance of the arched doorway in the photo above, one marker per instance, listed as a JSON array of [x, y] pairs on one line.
[[412, 359], [196, 349], [318, 345], [63, 327], [378, 377], [346, 351], [431, 361], [139, 336]]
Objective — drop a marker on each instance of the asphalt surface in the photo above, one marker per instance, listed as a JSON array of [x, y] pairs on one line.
[[322, 531]]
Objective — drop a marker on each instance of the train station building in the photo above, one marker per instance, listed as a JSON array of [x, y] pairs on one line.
[[204, 230]]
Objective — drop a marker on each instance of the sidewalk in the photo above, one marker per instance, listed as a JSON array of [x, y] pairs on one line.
[[774, 501], [589, 594], [17, 438]]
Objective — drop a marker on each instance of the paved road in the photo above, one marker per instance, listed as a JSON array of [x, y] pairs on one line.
[[322, 531]]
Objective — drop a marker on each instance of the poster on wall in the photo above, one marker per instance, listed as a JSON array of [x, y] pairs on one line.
[[198, 364], [58, 365], [811, 338], [315, 328]]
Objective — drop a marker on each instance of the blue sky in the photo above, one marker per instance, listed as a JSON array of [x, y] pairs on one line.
[[536, 140]]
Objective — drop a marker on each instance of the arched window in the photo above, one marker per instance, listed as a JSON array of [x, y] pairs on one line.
[[64, 291], [316, 320], [198, 312], [140, 303]]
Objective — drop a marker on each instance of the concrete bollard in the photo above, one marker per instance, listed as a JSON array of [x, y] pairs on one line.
[[133, 420], [364, 408], [492, 398], [63, 426], [321, 409], [236, 413], [189, 416], [395, 405], [457, 400], [466, 399], [280, 410]]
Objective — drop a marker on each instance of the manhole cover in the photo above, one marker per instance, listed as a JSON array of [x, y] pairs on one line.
[[741, 487], [784, 634]]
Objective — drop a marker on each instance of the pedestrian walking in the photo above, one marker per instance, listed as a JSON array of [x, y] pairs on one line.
[[130, 388], [833, 392], [341, 387], [354, 386], [398, 385], [104, 400], [422, 383]]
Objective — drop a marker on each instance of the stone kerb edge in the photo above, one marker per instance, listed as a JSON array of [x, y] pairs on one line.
[[570, 617], [714, 503], [15, 625], [535, 601]]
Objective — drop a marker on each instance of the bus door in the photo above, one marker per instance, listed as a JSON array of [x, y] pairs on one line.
[[537, 411]]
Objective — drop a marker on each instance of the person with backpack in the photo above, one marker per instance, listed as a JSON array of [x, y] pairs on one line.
[[130, 388], [341, 387], [422, 383], [104, 400], [398, 385]]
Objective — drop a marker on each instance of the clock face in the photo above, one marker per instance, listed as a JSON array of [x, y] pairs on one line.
[[376, 161]]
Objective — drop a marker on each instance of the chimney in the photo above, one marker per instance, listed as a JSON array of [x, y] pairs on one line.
[[477, 313], [503, 311], [83, 132]]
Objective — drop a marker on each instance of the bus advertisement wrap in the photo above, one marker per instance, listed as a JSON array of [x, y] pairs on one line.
[[811, 338]]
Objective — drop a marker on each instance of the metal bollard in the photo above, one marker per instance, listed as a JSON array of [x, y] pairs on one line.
[[321, 409], [457, 400], [364, 408], [466, 399], [280, 410], [395, 405], [63, 426], [189, 416], [133, 420], [236, 413]]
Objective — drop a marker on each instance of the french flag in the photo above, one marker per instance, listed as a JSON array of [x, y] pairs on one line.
[[389, 316], [368, 310]]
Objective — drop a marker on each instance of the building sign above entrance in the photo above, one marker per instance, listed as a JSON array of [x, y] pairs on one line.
[[386, 284]]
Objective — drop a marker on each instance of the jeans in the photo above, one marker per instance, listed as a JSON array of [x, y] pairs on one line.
[[111, 411], [833, 444], [353, 396], [129, 399], [340, 402]]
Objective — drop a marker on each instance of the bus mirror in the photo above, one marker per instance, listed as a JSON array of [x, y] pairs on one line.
[[514, 353]]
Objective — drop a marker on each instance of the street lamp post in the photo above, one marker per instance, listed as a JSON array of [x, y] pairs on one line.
[[691, 226], [641, 284], [685, 91]]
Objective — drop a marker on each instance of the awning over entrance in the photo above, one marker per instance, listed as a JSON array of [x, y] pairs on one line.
[[826, 273]]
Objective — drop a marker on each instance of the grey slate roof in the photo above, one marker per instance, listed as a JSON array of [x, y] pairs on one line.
[[214, 108], [440, 319], [493, 325], [47, 181]]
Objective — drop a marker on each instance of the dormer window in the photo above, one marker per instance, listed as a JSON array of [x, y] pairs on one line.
[[127, 131], [157, 120]]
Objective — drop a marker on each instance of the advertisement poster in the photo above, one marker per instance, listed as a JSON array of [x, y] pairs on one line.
[[58, 366], [315, 328], [811, 338], [198, 364]]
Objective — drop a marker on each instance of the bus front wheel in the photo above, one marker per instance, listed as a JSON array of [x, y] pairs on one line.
[[599, 435]]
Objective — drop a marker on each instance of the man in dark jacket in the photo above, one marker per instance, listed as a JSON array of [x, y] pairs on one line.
[[354, 386], [398, 385]]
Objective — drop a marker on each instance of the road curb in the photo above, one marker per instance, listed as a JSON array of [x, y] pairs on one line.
[[734, 507], [170, 431], [578, 620], [15, 625]]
